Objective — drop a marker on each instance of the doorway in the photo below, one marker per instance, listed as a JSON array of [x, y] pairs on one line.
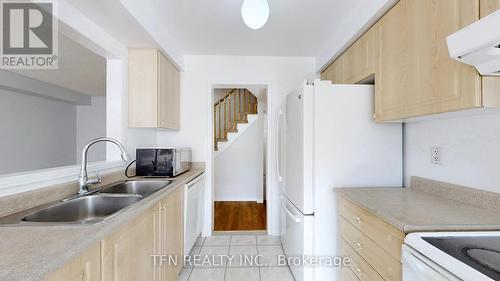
[[239, 158]]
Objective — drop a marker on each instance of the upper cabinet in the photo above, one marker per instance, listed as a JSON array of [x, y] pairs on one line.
[[417, 76], [334, 72], [488, 6], [361, 60], [407, 52], [358, 62], [154, 90]]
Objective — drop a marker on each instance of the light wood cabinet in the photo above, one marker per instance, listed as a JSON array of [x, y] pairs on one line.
[[358, 62], [173, 232], [334, 72], [417, 76], [154, 90], [373, 245], [126, 254], [347, 275], [377, 257], [86, 267], [358, 266], [488, 6], [361, 60], [408, 53], [129, 252], [381, 232], [169, 235]]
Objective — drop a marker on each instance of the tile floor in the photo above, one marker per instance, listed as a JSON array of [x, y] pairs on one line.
[[269, 247]]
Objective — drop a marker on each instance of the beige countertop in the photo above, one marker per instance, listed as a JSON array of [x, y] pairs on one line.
[[29, 253], [430, 206]]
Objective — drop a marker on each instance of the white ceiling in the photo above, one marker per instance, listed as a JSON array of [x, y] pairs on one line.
[[322, 29], [79, 69], [295, 27]]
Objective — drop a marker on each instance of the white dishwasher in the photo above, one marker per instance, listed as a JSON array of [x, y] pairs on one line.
[[194, 194]]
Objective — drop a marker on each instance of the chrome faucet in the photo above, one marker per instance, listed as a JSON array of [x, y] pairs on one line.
[[83, 181]]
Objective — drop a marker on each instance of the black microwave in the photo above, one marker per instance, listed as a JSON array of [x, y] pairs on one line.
[[162, 162]]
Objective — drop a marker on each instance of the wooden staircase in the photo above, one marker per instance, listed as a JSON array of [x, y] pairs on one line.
[[231, 110]]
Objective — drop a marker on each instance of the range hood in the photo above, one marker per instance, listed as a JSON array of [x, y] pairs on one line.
[[478, 44]]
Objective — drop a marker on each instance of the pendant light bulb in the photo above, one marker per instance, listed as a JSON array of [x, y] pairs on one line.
[[255, 13]]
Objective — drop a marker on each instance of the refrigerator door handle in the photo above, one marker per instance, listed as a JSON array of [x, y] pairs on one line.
[[288, 212], [278, 147]]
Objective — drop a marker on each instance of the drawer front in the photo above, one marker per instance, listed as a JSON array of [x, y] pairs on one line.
[[384, 234], [385, 264], [347, 275], [359, 267]]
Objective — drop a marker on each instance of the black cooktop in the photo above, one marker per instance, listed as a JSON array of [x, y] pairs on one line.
[[480, 252]]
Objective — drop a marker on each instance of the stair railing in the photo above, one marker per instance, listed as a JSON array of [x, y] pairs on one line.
[[230, 110]]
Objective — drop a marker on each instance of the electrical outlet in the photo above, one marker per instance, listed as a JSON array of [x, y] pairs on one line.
[[435, 155]]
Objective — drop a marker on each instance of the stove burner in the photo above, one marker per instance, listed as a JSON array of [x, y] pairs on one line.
[[485, 257]]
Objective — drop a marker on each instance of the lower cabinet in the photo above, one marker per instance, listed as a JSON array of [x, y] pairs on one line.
[[86, 267], [373, 246], [126, 254], [148, 248], [174, 233], [169, 236]]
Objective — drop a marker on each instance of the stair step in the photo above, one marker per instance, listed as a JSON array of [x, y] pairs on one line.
[[244, 121], [232, 130], [222, 140]]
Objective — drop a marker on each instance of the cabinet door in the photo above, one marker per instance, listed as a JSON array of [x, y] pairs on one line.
[[417, 76], [360, 60], [488, 6], [158, 239], [174, 232], [334, 72], [142, 88], [168, 94], [86, 267], [126, 254]]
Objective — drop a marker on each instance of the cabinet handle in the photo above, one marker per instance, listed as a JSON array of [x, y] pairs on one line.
[[358, 220], [359, 245], [358, 271]]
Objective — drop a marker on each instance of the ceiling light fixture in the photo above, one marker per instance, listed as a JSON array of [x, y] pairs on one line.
[[255, 13]]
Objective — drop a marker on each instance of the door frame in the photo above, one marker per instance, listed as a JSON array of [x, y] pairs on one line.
[[271, 208]]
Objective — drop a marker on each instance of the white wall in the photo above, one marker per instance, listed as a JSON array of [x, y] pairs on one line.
[[470, 150], [281, 74], [37, 132], [284, 74], [90, 125], [238, 169]]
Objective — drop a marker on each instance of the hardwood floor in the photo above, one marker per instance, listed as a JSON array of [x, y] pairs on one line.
[[235, 216]]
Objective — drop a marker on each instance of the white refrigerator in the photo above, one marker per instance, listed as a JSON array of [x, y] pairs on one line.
[[327, 138]]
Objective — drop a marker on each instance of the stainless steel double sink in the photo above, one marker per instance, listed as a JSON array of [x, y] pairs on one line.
[[98, 205]]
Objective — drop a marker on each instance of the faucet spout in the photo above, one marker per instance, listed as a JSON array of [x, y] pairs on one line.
[[83, 181]]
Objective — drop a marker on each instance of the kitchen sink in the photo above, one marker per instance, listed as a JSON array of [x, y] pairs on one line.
[[142, 187], [86, 209], [96, 206]]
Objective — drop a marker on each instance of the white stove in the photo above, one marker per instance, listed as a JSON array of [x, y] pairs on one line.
[[439, 256]]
